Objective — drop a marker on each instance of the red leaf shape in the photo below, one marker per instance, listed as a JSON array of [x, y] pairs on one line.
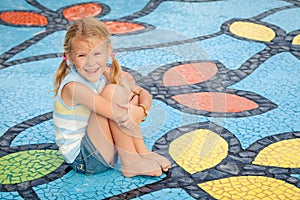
[[190, 73], [24, 18], [82, 11], [116, 27], [216, 102]]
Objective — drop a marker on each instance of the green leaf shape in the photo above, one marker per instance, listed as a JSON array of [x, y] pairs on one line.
[[28, 165]]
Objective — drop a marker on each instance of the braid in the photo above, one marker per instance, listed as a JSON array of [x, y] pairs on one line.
[[115, 71], [60, 74]]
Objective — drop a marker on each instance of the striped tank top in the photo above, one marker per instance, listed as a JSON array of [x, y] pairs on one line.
[[70, 123]]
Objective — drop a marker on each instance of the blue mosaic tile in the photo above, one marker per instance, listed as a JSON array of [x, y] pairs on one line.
[[288, 24], [170, 194], [41, 133], [10, 195], [26, 93], [6, 5], [214, 48], [163, 119], [284, 119], [200, 15], [99, 186], [296, 176], [54, 41], [160, 57], [15, 36]]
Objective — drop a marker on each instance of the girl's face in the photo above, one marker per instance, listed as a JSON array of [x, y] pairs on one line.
[[90, 57]]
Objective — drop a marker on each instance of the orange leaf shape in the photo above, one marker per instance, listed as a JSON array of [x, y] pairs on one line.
[[82, 11], [189, 73], [216, 102], [24, 18], [123, 27]]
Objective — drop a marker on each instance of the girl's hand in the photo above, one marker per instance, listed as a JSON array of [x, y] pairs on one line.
[[133, 118], [136, 114]]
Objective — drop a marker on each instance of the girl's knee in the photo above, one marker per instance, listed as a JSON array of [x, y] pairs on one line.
[[115, 92], [108, 91]]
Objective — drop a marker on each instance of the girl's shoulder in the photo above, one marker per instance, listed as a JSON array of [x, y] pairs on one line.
[[72, 79], [71, 76]]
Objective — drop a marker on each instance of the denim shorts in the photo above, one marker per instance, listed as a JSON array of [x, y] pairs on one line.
[[89, 160]]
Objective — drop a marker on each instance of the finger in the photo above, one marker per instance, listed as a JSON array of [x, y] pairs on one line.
[[128, 125], [124, 105], [124, 124], [131, 126]]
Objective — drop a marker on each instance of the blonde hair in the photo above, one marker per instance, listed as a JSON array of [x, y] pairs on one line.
[[85, 28]]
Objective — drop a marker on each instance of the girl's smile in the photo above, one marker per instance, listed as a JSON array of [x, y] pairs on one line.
[[92, 71]]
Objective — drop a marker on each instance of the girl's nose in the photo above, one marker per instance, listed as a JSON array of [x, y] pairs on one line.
[[90, 60]]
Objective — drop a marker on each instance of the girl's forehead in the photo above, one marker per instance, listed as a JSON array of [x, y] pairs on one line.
[[84, 44]]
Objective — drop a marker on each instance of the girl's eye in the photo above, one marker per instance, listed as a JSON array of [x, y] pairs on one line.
[[81, 55], [97, 54]]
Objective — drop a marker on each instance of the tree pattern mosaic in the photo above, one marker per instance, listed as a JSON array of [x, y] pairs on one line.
[[237, 81]]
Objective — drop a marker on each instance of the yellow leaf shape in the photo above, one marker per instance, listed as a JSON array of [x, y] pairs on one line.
[[250, 187], [296, 40], [28, 165], [252, 31], [198, 150], [280, 154]]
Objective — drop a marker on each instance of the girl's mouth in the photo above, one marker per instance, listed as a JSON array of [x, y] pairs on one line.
[[92, 71]]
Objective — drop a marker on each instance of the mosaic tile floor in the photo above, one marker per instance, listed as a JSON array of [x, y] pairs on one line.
[[224, 75]]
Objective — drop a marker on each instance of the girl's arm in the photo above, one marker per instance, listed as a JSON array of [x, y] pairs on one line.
[[143, 101], [144, 97], [76, 93]]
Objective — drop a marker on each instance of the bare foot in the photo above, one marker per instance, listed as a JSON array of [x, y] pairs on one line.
[[164, 163], [141, 166]]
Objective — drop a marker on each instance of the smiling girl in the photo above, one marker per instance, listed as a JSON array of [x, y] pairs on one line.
[[97, 114]]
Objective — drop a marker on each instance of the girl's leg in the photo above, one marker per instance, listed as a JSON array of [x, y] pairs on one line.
[[146, 153], [141, 148], [132, 162], [99, 133], [105, 134]]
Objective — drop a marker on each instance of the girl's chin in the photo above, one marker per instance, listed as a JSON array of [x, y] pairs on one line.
[[93, 78]]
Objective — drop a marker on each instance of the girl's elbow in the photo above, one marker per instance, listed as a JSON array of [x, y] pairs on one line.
[[148, 95]]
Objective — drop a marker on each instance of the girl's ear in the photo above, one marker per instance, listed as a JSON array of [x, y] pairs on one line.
[[110, 50], [68, 57]]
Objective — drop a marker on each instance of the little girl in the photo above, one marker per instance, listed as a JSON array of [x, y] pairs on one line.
[[97, 114]]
